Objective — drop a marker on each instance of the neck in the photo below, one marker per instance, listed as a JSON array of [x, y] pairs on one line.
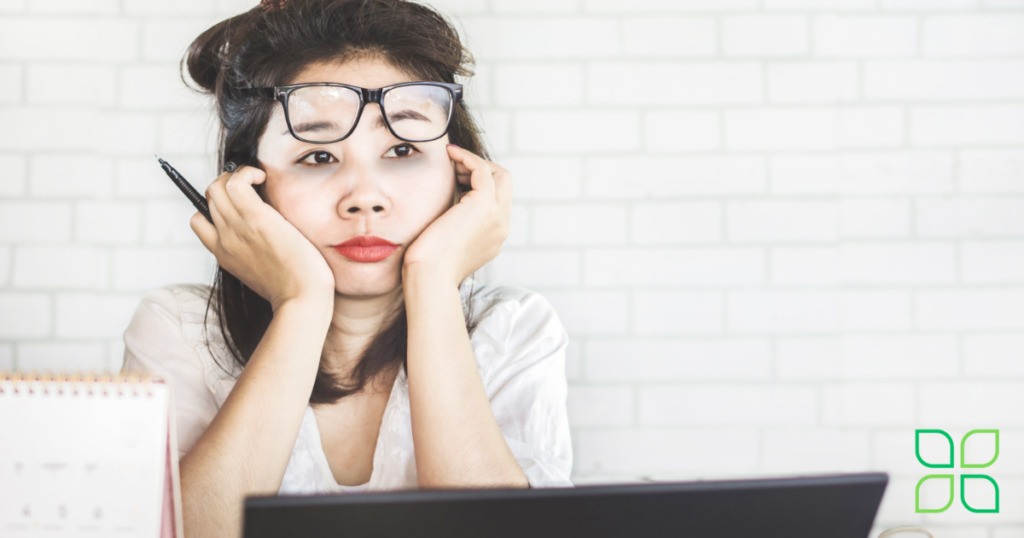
[[356, 321]]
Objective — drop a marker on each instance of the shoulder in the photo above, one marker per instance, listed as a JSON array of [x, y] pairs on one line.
[[513, 326], [175, 317], [176, 307], [166, 337], [184, 300], [510, 309], [487, 300]]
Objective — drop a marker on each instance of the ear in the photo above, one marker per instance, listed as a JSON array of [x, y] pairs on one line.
[[261, 186], [460, 189]]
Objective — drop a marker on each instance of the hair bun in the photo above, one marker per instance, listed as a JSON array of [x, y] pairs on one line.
[[204, 56]]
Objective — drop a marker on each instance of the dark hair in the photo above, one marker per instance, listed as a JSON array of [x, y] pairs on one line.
[[268, 46]]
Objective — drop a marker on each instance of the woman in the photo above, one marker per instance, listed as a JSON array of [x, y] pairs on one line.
[[343, 346]]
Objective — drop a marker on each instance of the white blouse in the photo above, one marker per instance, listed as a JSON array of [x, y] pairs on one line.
[[519, 344]]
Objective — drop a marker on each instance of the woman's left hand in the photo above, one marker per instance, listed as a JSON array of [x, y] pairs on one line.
[[470, 233]]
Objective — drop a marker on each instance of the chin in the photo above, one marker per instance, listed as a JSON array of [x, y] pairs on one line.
[[367, 279]]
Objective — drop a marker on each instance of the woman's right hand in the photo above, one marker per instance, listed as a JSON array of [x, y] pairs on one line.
[[253, 242]]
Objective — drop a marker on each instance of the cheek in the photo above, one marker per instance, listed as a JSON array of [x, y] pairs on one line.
[[428, 196], [293, 202]]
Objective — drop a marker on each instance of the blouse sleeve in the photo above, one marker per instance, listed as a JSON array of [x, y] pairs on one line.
[[528, 389], [155, 342]]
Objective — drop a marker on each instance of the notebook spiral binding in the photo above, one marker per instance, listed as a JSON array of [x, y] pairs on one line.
[[75, 383]]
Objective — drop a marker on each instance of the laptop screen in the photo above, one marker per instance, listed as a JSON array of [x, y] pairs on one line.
[[837, 506]]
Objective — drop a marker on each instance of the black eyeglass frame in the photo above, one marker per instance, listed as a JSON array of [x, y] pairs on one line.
[[376, 95]]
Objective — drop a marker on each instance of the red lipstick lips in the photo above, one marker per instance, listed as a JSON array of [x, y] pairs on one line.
[[366, 248]]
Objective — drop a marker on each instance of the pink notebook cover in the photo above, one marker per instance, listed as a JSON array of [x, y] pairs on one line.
[[167, 523], [171, 517]]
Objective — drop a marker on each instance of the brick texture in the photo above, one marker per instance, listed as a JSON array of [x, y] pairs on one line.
[[782, 234]]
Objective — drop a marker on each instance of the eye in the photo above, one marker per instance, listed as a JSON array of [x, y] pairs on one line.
[[401, 151], [319, 157]]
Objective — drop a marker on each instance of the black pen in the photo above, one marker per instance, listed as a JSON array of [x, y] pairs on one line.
[[188, 190]]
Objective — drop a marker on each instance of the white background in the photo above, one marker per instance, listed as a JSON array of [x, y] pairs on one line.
[[782, 234]]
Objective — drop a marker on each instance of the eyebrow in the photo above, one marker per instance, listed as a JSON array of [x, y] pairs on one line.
[[379, 124], [399, 116], [310, 126]]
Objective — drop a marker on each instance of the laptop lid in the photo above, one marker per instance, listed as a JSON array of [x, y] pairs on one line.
[[837, 506]]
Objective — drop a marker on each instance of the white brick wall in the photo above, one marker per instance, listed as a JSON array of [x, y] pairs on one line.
[[781, 233]]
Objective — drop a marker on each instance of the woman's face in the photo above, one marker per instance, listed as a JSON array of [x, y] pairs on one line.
[[369, 184]]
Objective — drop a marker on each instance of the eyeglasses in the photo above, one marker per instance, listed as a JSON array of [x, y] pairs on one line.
[[326, 112]]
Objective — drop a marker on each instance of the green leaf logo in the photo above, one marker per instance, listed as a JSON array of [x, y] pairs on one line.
[[963, 450], [917, 449], [917, 494], [964, 500], [952, 478]]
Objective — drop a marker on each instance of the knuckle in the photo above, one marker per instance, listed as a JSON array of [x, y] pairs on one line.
[[229, 242], [259, 226]]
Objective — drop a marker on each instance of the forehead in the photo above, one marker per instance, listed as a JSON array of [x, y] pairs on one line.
[[365, 72]]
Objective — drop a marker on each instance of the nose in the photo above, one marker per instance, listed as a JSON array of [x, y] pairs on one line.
[[364, 198], [355, 208]]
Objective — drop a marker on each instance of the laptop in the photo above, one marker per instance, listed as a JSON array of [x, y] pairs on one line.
[[836, 506]]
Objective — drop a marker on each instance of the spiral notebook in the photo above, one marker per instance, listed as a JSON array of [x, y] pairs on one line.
[[84, 455]]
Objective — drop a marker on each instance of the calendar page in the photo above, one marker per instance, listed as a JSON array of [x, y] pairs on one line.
[[83, 456]]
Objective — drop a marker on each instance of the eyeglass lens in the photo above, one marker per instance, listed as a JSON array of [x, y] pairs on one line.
[[417, 112]]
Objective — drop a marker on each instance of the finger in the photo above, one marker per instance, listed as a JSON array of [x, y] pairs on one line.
[[502, 184], [479, 169], [463, 173], [240, 188], [219, 200], [206, 232], [503, 189], [217, 212]]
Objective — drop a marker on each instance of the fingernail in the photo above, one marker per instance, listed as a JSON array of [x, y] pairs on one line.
[[454, 145]]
